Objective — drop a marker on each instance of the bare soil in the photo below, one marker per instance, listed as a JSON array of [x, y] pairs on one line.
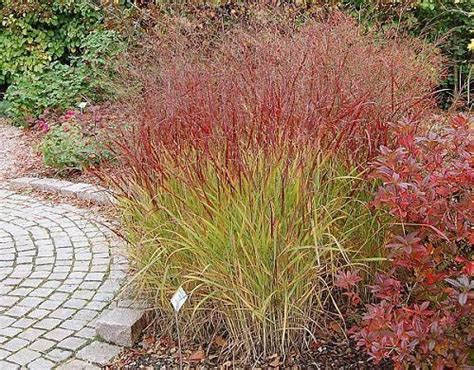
[[19, 157]]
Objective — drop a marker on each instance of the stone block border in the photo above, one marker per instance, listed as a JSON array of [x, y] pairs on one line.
[[122, 326], [82, 191]]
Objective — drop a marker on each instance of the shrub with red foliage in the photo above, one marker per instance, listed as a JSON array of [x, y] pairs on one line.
[[424, 314], [330, 86]]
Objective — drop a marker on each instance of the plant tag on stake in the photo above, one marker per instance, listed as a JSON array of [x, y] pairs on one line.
[[178, 299]]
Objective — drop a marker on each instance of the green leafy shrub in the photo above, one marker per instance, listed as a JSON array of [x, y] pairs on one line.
[[60, 86], [34, 33], [66, 147]]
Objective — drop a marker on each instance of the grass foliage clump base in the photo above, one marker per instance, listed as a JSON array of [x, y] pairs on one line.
[[259, 254]]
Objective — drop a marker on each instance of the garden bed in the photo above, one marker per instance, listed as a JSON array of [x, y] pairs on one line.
[[155, 352], [288, 167]]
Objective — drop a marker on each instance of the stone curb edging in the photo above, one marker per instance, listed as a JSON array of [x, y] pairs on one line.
[[82, 191]]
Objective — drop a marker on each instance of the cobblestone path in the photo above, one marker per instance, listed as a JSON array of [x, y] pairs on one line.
[[58, 271]]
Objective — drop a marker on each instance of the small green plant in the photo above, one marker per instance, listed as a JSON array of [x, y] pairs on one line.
[[3, 108], [66, 147]]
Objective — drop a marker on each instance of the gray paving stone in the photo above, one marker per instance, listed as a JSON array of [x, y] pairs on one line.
[[62, 313], [98, 353], [48, 323], [24, 356], [78, 365], [31, 302], [58, 355], [74, 324], [58, 334], [15, 344], [23, 323], [5, 365], [38, 313], [4, 354], [6, 321], [11, 332], [42, 345], [72, 343], [31, 334], [41, 364]]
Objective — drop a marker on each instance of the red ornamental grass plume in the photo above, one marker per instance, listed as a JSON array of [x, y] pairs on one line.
[[329, 87]]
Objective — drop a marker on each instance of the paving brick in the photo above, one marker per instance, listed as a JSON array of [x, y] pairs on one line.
[[24, 356], [23, 323], [5, 365], [72, 343], [86, 333], [31, 334], [41, 364], [58, 334], [48, 323], [62, 313], [6, 321], [42, 345], [58, 355], [73, 324], [98, 353], [4, 354], [15, 344]]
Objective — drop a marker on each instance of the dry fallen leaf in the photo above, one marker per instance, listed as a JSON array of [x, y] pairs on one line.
[[197, 356], [219, 341], [148, 341], [276, 360], [336, 327]]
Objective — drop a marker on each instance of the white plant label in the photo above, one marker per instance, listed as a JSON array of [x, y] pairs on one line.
[[178, 299]]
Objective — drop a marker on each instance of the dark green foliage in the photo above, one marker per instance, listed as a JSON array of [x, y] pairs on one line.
[[60, 86], [35, 33]]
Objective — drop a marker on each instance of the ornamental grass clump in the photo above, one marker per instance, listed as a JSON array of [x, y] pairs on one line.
[[244, 176], [257, 253]]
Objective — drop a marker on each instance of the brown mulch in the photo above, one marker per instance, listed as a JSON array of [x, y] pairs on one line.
[[155, 352], [21, 158], [16, 154]]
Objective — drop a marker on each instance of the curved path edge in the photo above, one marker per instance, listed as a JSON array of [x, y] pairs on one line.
[[82, 191]]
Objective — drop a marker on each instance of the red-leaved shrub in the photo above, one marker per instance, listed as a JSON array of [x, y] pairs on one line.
[[424, 313], [330, 86]]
